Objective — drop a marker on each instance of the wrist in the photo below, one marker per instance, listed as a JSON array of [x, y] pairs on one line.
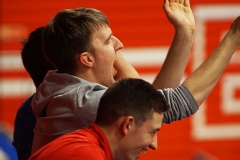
[[184, 34]]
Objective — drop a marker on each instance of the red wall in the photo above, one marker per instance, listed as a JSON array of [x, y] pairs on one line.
[[139, 23]]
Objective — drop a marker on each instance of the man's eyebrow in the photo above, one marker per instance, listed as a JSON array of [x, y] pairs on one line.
[[108, 39], [155, 130]]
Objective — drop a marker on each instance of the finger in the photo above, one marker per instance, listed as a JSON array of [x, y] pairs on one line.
[[187, 3], [236, 23], [173, 1], [177, 1], [166, 5], [166, 2], [181, 1]]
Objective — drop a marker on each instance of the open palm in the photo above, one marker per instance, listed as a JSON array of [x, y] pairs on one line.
[[179, 13]]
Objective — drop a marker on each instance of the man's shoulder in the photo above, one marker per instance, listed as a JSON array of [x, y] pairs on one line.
[[26, 105]]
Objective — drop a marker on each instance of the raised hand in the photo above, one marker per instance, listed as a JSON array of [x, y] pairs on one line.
[[234, 32], [179, 14]]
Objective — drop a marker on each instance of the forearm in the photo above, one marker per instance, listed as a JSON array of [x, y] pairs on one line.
[[124, 68], [204, 79], [172, 70], [180, 15]]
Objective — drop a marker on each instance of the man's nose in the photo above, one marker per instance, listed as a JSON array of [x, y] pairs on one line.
[[118, 43], [154, 143]]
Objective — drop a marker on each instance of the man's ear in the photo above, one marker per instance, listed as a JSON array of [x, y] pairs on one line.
[[127, 124], [86, 59]]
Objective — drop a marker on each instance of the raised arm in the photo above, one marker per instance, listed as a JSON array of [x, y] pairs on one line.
[[124, 68], [205, 77], [180, 15]]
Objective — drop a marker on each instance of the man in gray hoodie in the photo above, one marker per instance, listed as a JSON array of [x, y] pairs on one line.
[[81, 45]]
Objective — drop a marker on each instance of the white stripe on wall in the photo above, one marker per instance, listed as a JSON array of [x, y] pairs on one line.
[[20, 87]]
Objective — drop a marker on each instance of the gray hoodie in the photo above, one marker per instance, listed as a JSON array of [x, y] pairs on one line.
[[64, 103]]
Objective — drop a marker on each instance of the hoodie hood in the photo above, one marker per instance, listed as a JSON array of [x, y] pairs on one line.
[[63, 103], [61, 88]]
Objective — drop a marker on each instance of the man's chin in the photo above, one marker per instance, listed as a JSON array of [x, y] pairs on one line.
[[113, 81]]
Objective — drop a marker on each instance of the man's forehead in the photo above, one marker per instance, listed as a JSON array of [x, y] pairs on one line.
[[102, 32], [156, 120]]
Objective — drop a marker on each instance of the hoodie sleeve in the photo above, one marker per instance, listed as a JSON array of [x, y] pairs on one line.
[[182, 104]]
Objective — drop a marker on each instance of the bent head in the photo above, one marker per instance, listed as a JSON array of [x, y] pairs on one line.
[[136, 108]]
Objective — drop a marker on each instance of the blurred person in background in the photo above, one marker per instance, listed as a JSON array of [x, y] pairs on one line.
[[37, 67]]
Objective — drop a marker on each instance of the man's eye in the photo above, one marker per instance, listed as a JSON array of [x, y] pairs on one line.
[[153, 133], [107, 42]]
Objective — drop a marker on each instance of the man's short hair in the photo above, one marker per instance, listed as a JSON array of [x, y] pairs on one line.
[[130, 97], [69, 33]]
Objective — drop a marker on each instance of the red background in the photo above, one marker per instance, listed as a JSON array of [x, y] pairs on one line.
[[136, 23]]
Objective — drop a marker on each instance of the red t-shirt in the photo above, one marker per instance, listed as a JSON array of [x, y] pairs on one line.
[[85, 144]]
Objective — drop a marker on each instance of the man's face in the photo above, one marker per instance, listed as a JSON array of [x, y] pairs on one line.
[[141, 138], [106, 47]]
